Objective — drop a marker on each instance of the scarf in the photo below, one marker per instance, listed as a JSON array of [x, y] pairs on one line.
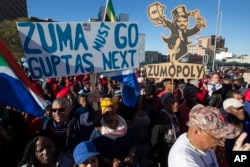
[[113, 134]]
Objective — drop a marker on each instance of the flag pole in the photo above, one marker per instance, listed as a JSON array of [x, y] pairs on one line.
[[105, 12], [216, 35]]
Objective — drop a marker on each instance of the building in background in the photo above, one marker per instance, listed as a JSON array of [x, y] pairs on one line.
[[205, 45], [10, 9], [209, 42], [35, 19], [155, 57], [141, 48], [123, 17]]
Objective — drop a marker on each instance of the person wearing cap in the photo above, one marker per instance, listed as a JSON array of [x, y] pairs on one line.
[[221, 151], [165, 130], [235, 111], [232, 93], [190, 100], [207, 129], [86, 155], [237, 117], [115, 141]]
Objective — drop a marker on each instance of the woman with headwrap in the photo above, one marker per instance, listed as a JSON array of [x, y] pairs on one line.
[[115, 141]]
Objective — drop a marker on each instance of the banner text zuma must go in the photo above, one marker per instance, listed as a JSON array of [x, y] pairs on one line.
[[56, 49]]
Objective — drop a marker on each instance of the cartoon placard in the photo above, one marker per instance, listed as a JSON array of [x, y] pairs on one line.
[[177, 43], [55, 49]]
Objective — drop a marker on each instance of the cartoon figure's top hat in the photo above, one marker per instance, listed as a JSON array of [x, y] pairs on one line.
[[178, 12]]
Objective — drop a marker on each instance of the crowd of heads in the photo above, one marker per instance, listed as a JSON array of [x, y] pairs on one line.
[[79, 113]]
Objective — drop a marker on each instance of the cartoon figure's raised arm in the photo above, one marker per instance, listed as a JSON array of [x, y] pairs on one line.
[[156, 14]]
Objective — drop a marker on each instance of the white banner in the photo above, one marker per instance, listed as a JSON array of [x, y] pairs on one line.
[[56, 49]]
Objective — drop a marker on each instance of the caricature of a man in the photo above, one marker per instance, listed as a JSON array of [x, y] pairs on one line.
[[178, 40]]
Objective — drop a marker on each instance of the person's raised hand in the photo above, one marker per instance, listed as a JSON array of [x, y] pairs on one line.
[[239, 146]]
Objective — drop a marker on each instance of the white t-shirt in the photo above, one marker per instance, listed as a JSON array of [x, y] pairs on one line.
[[183, 154]]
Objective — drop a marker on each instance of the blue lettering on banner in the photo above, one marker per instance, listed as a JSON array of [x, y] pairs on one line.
[[48, 66], [55, 34], [79, 65], [110, 61], [53, 47], [64, 36], [100, 40], [58, 49], [79, 38], [28, 38], [66, 58], [122, 41]]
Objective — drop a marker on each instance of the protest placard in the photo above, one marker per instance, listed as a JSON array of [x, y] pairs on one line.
[[55, 49]]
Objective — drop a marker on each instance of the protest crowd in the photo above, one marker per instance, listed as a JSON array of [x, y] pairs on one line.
[[87, 124]]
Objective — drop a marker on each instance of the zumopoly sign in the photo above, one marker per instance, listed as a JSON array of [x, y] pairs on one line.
[[179, 70]]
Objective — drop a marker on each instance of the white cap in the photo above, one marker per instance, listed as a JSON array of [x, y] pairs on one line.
[[232, 102]]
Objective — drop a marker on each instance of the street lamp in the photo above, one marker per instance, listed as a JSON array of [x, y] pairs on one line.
[[215, 43]]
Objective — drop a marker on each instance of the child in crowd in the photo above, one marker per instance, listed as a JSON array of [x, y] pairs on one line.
[[85, 154]]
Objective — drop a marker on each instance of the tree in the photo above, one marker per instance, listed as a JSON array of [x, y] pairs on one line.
[[10, 36]]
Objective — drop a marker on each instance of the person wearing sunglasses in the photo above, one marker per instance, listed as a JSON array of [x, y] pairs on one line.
[[69, 128], [207, 130]]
